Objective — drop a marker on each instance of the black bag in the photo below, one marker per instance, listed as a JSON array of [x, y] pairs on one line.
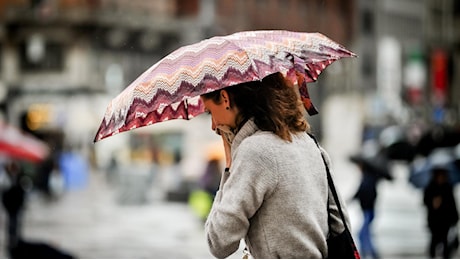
[[341, 246]]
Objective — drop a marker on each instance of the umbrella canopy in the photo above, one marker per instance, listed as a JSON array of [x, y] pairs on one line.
[[396, 145], [170, 89], [372, 161], [18, 145], [422, 168], [437, 137]]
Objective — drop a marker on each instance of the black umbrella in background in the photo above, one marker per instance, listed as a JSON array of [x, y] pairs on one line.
[[395, 144], [372, 160], [436, 137]]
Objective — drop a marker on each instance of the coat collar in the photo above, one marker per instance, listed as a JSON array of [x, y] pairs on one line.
[[249, 128]]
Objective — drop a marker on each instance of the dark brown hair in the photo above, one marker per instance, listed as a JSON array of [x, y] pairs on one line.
[[272, 102]]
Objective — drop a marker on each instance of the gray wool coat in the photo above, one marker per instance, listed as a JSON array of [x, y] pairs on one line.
[[275, 196]]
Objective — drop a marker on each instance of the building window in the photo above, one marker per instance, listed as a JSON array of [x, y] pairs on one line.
[[367, 22], [367, 68], [37, 55]]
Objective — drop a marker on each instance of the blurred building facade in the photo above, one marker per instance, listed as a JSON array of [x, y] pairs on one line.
[[63, 60], [409, 60], [333, 18], [408, 51]]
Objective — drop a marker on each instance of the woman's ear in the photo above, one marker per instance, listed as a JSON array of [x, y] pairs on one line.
[[225, 97]]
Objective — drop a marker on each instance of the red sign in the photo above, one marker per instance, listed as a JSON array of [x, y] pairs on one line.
[[439, 75]]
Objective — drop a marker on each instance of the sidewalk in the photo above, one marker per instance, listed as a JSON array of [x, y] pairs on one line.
[[90, 224], [399, 227]]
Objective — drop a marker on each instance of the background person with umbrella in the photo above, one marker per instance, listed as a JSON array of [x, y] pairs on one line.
[[17, 147], [373, 166], [442, 214], [438, 136], [421, 168], [14, 200], [436, 175]]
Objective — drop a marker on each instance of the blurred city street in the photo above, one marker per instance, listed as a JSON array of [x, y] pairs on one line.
[[90, 223], [128, 215], [64, 63]]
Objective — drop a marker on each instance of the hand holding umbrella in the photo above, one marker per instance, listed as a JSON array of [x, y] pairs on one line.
[[227, 137]]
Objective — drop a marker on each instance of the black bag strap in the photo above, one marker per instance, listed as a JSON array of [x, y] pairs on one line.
[[331, 184]]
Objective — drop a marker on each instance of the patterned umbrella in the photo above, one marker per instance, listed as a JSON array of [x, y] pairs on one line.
[[170, 89]]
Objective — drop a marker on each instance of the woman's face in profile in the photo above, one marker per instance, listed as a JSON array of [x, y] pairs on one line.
[[219, 112]]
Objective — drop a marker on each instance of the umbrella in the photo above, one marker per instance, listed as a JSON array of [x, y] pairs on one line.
[[18, 145], [436, 137], [441, 158], [396, 145], [372, 161], [170, 89]]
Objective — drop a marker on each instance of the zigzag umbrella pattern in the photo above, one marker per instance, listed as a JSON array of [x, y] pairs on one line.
[[170, 89]]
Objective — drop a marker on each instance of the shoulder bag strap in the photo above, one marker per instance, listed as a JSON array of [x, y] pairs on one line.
[[331, 184]]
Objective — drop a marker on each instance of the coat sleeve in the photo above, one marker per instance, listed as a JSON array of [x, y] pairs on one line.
[[240, 195]]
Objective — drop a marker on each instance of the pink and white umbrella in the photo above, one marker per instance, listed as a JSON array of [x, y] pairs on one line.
[[170, 89]]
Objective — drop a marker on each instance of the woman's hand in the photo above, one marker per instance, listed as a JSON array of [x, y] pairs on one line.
[[227, 139], [225, 131], [228, 152]]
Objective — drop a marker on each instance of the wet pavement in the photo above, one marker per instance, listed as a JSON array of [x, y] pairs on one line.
[[399, 227], [93, 223]]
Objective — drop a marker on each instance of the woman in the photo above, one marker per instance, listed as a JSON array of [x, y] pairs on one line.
[[274, 191]]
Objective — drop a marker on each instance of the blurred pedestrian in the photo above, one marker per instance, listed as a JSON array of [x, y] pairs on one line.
[[274, 190], [210, 179], [442, 213], [13, 199], [373, 167], [44, 177], [112, 170], [202, 198]]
